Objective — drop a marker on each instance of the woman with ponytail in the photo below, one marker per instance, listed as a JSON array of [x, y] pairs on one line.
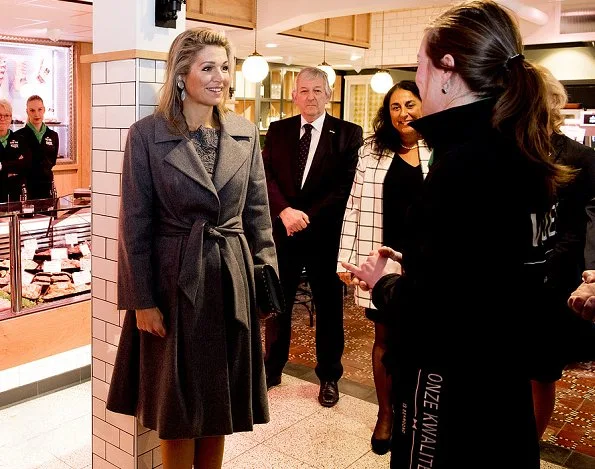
[[467, 290]]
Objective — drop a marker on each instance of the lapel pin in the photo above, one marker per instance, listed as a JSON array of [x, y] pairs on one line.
[[332, 131]]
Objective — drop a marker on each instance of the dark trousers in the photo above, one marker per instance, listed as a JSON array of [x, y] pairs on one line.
[[320, 261]]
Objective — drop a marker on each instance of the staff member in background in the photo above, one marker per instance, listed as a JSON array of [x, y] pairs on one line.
[[44, 144], [15, 157]]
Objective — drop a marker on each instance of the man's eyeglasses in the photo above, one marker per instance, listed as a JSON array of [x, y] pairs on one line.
[[6, 117]]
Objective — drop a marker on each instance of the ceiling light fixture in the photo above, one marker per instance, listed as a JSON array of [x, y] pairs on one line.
[[381, 81], [330, 73], [255, 68]]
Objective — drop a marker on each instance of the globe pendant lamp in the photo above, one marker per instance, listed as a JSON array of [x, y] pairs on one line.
[[325, 67], [381, 81], [255, 68]]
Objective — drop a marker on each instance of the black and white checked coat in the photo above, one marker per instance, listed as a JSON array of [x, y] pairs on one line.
[[362, 223]]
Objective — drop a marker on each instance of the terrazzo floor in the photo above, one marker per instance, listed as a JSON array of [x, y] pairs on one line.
[[54, 432]]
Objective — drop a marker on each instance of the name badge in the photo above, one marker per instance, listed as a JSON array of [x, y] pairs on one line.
[[48, 142], [14, 144]]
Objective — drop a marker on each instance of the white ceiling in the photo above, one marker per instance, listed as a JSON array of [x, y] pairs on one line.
[[72, 20]]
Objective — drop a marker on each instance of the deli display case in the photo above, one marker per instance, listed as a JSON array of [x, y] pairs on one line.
[[45, 254]]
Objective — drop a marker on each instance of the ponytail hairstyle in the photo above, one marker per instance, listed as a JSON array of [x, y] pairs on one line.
[[485, 42], [385, 137], [182, 54]]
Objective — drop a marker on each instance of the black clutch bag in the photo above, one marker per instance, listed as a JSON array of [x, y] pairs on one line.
[[269, 294]]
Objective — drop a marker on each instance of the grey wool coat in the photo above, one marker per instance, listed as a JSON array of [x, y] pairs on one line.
[[187, 244]]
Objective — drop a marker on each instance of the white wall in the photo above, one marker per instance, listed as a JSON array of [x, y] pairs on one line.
[[570, 63]]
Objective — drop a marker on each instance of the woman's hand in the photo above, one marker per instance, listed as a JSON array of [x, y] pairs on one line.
[[150, 320], [345, 277], [379, 263], [582, 300]]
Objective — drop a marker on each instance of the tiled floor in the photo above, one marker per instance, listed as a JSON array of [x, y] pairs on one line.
[[54, 432], [568, 440]]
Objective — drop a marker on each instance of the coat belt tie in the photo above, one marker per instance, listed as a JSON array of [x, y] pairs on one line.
[[192, 272]]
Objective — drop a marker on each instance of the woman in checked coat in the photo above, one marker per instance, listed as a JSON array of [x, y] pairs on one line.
[[194, 218], [391, 167]]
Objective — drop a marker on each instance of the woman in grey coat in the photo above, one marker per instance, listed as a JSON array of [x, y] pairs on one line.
[[194, 218]]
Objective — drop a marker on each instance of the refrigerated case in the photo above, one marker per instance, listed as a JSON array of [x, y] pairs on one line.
[[45, 252]]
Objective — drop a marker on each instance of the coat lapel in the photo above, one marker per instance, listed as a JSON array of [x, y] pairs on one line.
[[232, 154], [183, 157]]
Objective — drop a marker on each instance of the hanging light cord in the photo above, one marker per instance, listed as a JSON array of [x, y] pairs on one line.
[[324, 42], [255, 22], [382, 43]]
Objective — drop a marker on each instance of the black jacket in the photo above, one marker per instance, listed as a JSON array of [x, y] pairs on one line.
[[465, 335], [16, 164], [575, 249], [44, 155]]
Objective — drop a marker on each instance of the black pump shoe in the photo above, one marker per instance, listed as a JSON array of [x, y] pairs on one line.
[[380, 446]]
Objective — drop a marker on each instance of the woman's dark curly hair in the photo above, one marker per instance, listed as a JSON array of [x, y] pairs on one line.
[[386, 137]]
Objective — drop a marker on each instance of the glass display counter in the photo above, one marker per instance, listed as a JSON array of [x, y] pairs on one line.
[[45, 251]]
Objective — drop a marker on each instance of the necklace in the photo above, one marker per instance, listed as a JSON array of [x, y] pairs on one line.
[[410, 148]]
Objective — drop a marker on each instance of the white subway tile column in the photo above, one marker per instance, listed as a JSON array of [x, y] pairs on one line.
[[127, 71]]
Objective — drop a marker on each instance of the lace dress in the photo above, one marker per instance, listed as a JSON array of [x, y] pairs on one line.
[[206, 142]]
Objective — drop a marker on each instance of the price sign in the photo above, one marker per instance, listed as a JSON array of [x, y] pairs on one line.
[[86, 264], [26, 277], [82, 277], [27, 253], [52, 267], [71, 238], [30, 244], [59, 253], [85, 251]]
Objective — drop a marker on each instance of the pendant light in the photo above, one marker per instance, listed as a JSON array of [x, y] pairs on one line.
[[330, 73], [381, 81], [255, 68]]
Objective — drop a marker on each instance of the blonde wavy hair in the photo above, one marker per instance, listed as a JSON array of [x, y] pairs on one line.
[[556, 96], [182, 55]]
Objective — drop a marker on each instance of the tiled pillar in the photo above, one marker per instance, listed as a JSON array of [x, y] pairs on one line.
[[123, 92]]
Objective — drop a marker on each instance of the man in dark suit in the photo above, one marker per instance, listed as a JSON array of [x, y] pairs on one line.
[[310, 163]]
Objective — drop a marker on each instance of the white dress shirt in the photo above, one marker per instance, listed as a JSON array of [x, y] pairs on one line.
[[316, 132]]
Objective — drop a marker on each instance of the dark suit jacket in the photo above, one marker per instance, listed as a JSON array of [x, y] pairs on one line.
[[326, 189], [576, 211]]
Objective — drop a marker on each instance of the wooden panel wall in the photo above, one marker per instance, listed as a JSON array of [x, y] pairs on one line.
[[241, 13], [38, 335], [353, 30]]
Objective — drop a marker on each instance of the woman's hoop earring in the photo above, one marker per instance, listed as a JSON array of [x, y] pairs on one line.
[[445, 88], [181, 86]]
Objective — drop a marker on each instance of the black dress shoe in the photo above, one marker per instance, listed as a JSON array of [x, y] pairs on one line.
[[329, 393], [273, 381], [380, 446]]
